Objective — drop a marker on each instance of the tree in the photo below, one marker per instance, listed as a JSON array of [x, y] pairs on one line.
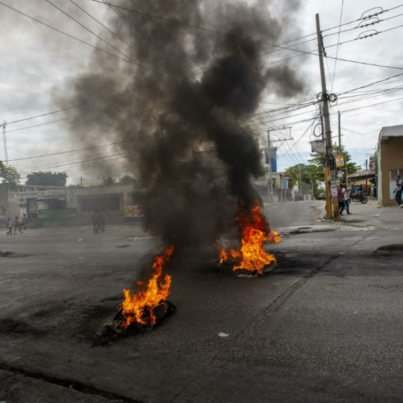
[[9, 175], [317, 161], [127, 180], [109, 181], [47, 179]]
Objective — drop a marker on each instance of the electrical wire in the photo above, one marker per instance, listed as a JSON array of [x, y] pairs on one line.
[[338, 47], [68, 35]]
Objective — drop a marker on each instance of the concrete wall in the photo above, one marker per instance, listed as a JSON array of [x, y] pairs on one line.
[[390, 158], [9, 206]]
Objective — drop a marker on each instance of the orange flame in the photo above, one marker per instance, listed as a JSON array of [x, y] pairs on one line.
[[137, 307], [251, 256]]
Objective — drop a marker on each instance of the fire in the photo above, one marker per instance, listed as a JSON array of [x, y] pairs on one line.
[[139, 307], [251, 256]]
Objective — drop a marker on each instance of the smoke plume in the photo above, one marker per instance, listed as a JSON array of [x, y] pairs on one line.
[[178, 106]]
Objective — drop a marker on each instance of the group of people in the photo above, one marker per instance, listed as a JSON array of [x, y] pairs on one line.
[[98, 221], [369, 190], [18, 225], [342, 194]]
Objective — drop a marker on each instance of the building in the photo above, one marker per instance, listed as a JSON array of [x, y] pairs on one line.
[[70, 204], [389, 162]]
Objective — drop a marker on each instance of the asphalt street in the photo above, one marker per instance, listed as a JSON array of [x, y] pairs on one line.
[[325, 326]]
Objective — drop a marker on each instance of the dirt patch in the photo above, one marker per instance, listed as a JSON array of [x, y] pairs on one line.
[[390, 249], [11, 254], [15, 327]]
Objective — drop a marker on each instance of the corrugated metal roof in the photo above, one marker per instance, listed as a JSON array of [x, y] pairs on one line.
[[391, 131]]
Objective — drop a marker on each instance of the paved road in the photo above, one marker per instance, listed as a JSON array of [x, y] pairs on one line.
[[326, 326], [292, 214]]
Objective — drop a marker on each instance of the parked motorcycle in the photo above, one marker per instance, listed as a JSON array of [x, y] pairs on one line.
[[358, 197]]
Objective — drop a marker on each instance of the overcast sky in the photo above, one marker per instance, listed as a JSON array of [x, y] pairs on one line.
[[36, 60]]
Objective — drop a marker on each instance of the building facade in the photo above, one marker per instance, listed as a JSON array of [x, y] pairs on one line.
[[42, 203], [390, 162]]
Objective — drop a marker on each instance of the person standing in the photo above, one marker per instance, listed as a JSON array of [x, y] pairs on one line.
[[95, 219], [9, 226], [17, 225], [398, 191]]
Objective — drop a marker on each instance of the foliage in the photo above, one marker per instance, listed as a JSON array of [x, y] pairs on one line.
[[109, 181], [9, 175], [47, 179], [127, 180], [318, 159], [312, 173]]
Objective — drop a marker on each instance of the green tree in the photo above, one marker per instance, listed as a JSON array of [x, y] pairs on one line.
[[9, 175], [317, 161], [127, 180], [47, 179]]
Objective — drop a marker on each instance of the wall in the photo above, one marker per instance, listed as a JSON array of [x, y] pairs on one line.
[[9, 206], [391, 158]]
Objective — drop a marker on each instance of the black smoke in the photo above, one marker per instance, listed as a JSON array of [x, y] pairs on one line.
[[179, 107]]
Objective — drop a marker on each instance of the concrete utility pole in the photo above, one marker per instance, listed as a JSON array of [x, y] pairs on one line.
[[331, 201], [300, 179], [270, 179]]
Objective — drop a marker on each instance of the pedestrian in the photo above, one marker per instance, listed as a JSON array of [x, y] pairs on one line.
[[9, 226], [375, 192], [95, 218], [346, 204], [17, 225], [341, 199], [101, 220], [398, 191]]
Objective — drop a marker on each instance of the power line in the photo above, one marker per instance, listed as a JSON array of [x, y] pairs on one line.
[[43, 124], [68, 152], [68, 35], [338, 47]]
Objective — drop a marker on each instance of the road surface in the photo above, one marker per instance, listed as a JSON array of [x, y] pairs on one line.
[[326, 326]]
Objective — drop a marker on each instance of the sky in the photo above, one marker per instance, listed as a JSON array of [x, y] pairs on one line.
[[37, 62]]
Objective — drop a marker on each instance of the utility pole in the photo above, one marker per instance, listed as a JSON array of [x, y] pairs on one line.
[[366, 179], [81, 181], [330, 174], [270, 179], [344, 155], [5, 143], [300, 179]]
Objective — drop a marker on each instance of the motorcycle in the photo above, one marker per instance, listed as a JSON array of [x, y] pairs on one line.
[[358, 197]]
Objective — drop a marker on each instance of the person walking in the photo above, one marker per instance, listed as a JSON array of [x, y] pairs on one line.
[[346, 205], [341, 199], [398, 191], [95, 218], [17, 225], [9, 226]]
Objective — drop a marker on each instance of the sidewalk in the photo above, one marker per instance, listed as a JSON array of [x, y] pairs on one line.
[[371, 214]]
